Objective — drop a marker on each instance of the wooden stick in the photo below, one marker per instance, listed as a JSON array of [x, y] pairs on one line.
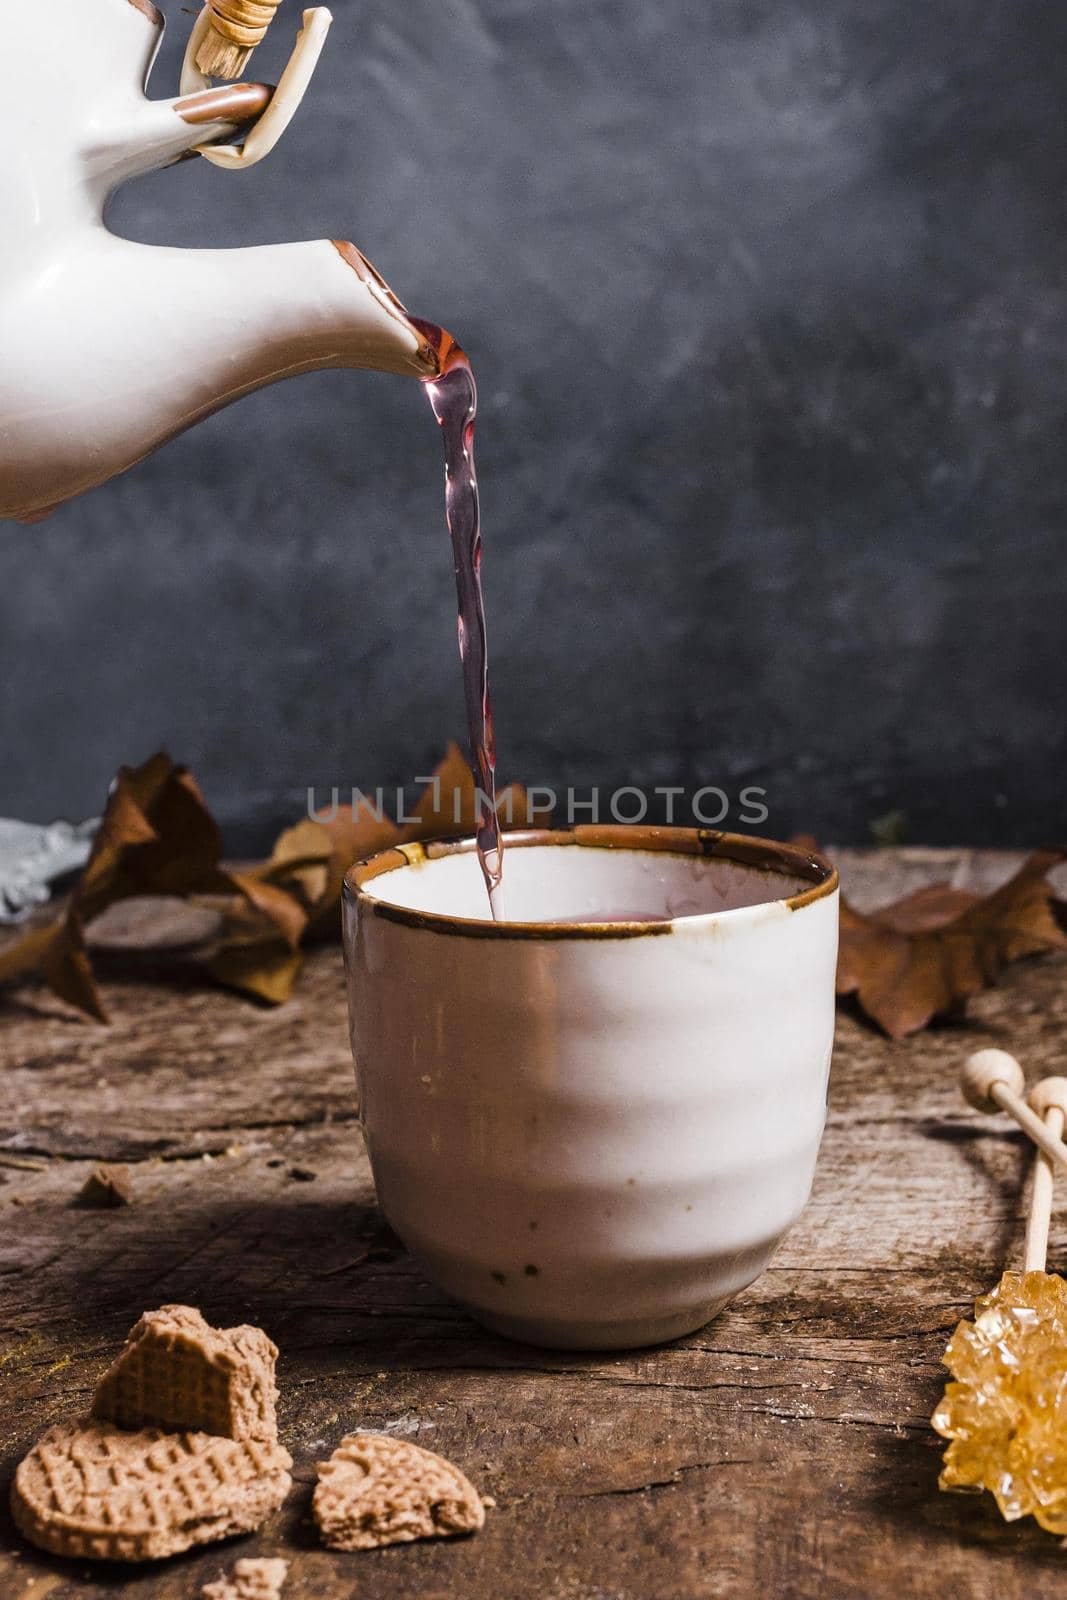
[[1049, 1101], [236, 28], [1049, 1143], [992, 1080]]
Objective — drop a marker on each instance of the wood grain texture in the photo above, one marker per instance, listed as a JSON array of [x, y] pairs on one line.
[[782, 1451]]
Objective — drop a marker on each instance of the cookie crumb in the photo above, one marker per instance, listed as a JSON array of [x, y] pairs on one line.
[[253, 1578], [106, 1188]]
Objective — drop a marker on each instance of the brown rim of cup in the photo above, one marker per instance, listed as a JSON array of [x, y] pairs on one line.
[[766, 855]]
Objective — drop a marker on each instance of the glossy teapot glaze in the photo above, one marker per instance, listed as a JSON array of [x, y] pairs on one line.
[[108, 348]]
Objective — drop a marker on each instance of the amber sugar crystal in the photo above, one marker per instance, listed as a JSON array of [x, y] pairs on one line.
[[1005, 1414]]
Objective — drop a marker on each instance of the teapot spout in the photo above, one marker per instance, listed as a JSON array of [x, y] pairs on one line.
[[143, 342], [424, 361]]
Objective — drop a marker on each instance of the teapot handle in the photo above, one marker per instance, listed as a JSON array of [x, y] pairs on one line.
[[292, 86]]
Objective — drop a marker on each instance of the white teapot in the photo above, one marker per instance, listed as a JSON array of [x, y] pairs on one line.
[[109, 348]]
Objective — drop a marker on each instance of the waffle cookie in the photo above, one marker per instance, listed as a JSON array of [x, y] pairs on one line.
[[178, 1372], [91, 1490], [254, 1578], [376, 1490]]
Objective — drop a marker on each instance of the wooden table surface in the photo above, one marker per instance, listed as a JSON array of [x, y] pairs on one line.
[[784, 1450]]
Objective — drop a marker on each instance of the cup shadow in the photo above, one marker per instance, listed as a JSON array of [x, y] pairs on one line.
[[325, 1280]]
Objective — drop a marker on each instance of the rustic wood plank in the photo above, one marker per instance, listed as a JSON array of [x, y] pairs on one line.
[[784, 1450]]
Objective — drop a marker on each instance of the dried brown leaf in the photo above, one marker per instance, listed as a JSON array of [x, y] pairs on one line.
[[68, 971], [926, 955], [300, 861], [266, 970], [349, 834], [930, 907], [280, 909], [57, 953], [22, 957], [156, 837], [445, 808]]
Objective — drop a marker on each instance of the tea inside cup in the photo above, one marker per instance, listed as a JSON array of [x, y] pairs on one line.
[[615, 875]]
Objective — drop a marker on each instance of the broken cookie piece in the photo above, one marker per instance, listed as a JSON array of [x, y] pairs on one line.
[[106, 1188], [178, 1372], [375, 1490], [254, 1578], [94, 1491]]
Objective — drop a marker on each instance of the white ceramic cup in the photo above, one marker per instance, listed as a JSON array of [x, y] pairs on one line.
[[593, 1134]]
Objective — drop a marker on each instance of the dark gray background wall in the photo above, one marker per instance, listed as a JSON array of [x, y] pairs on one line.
[[767, 308]]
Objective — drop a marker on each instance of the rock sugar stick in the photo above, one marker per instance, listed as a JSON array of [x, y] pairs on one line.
[[1002, 1413]]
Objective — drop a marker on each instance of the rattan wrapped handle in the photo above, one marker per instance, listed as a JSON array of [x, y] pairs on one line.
[[235, 28]]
